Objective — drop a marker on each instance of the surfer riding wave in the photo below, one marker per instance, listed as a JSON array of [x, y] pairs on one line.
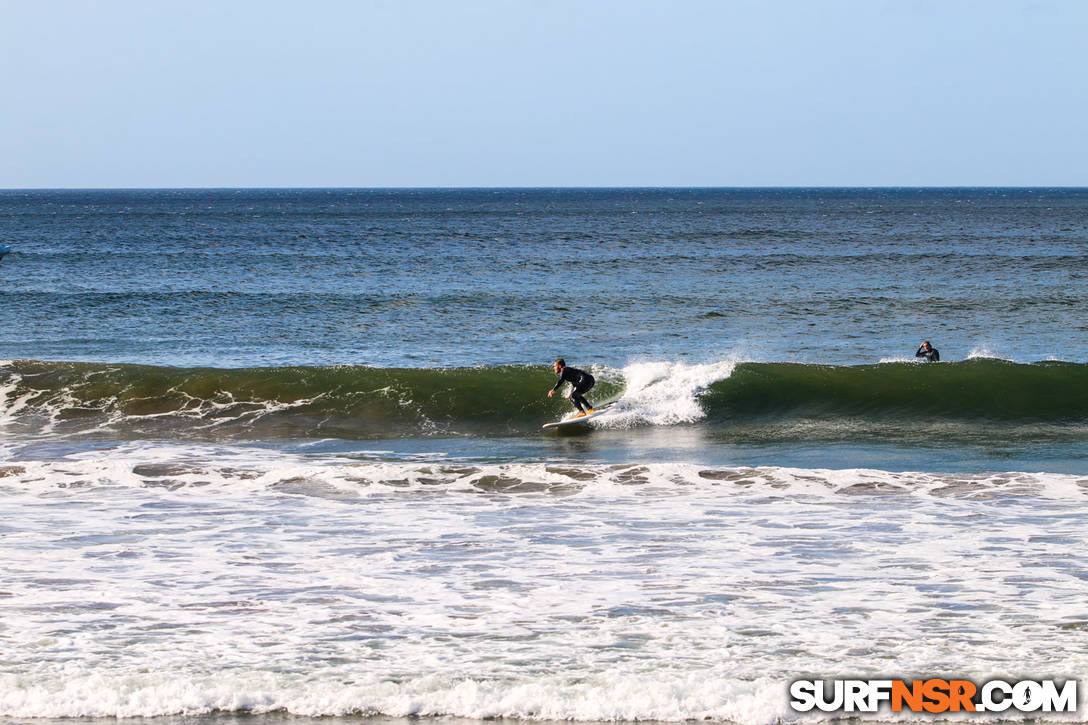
[[580, 382]]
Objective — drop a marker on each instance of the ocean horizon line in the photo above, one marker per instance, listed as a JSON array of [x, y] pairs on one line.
[[874, 187]]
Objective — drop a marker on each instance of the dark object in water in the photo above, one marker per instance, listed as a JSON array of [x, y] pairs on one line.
[[4, 250]]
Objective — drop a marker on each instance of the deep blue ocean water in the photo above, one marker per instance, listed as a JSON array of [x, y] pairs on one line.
[[489, 277], [278, 452]]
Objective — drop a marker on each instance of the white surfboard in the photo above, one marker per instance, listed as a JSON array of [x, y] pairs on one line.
[[577, 419]]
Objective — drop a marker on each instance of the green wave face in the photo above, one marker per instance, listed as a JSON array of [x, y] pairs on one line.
[[290, 402], [985, 390], [369, 403]]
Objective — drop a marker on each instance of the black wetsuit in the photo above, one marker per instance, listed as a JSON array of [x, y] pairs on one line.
[[931, 355], [581, 381]]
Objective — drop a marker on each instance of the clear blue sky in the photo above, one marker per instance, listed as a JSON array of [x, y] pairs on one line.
[[194, 93]]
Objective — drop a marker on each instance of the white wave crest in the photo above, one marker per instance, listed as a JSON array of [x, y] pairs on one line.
[[665, 393], [984, 353]]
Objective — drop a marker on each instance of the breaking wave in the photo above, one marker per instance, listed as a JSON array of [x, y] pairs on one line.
[[352, 402]]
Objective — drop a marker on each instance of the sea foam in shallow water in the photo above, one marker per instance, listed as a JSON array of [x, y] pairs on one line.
[[160, 579]]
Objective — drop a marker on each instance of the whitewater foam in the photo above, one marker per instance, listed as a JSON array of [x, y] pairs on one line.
[[244, 470], [984, 353], [155, 579], [12, 403], [664, 393]]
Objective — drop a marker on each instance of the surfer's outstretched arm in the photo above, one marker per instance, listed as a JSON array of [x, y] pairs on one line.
[[560, 367]]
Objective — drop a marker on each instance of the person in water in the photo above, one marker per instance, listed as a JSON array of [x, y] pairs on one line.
[[928, 352], [580, 382]]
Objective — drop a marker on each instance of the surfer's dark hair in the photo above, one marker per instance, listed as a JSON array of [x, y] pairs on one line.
[[560, 362]]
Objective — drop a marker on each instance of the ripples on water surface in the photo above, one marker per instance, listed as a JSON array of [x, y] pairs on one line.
[[276, 454], [469, 277]]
